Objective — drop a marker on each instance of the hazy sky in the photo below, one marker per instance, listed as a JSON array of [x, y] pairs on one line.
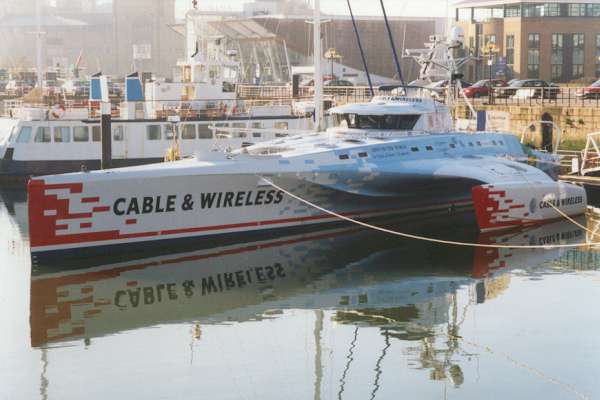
[[430, 8]]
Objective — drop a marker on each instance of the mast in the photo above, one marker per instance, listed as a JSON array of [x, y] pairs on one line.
[[38, 44], [318, 75]]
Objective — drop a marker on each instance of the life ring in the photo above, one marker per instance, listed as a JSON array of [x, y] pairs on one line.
[[58, 112]]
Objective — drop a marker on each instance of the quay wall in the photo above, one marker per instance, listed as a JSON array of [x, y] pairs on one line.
[[575, 122]]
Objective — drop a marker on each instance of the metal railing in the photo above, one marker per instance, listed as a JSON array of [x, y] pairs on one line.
[[559, 96]]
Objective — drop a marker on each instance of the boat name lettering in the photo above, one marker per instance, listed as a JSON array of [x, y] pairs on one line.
[[567, 201], [145, 205], [149, 295], [240, 199], [559, 237], [168, 204]]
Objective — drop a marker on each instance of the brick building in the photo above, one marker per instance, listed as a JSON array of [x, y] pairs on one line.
[[558, 41]]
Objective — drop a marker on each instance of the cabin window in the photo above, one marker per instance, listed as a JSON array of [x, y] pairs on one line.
[[153, 132], [257, 125], [25, 134], [62, 134], [81, 134], [281, 135], [452, 146], [118, 133], [471, 144], [188, 132], [170, 130], [478, 143], [96, 133], [204, 132], [362, 154], [239, 125], [429, 148], [494, 142], [501, 143], [344, 156], [387, 122], [414, 149], [280, 125], [12, 134], [42, 135]]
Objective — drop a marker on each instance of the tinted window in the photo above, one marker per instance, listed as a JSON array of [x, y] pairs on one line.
[[118, 133], [204, 132], [153, 132], [96, 133], [25, 134], [188, 132], [280, 125], [62, 134], [42, 135], [81, 134], [169, 130], [398, 122]]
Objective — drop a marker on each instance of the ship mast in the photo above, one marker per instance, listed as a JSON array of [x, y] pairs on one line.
[[318, 75]]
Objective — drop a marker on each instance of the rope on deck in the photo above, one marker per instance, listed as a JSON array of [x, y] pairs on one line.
[[434, 240]]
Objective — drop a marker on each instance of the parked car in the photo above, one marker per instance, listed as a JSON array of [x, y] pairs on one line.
[[482, 88], [530, 88], [590, 92], [440, 89], [338, 83]]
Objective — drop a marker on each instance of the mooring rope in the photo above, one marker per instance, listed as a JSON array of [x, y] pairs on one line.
[[425, 238]]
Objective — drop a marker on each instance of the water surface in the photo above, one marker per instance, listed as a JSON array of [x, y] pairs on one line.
[[334, 314]]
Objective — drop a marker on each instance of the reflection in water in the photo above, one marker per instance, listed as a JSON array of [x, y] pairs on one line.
[[408, 290], [413, 295]]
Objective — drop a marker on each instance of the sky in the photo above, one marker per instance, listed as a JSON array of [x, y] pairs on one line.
[[429, 8]]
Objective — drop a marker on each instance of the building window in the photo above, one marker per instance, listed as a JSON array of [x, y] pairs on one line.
[[510, 49], [557, 56], [593, 10], [578, 55], [597, 55], [576, 10], [464, 14], [533, 10], [512, 11], [533, 41], [533, 55], [490, 39], [552, 10]]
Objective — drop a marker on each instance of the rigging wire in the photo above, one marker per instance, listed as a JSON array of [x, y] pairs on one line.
[[360, 48], [395, 53]]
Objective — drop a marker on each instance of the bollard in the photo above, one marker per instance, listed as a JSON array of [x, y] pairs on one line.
[[106, 159]]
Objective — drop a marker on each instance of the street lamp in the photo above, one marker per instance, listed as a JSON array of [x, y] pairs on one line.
[[332, 55], [490, 50]]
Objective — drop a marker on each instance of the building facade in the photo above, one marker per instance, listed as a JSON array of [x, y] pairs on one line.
[[115, 38], [558, 41]]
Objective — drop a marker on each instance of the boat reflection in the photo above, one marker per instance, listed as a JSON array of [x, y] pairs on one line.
[[366, 277]]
